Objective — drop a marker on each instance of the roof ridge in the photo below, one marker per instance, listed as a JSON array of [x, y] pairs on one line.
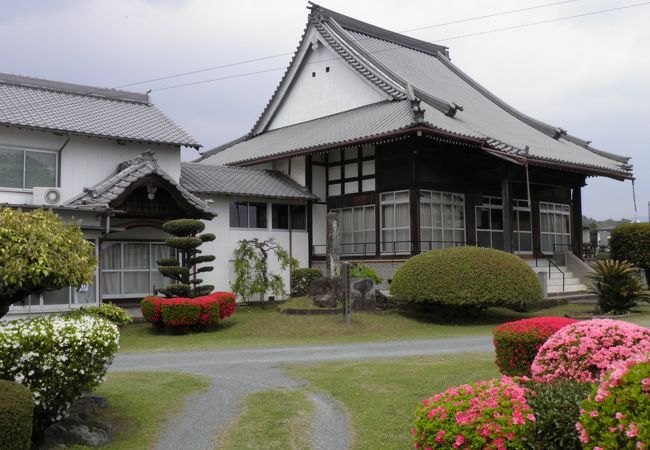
[[73, 88], [381, 33]]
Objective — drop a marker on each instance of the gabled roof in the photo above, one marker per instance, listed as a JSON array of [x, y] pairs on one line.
[[127, 174], [425, 91], [47, 105], [241, 181]]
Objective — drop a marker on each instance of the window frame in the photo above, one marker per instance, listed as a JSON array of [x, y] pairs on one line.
[[393, 203], [248, 203], [289, 216], [337, 159], [4, 148], [433, 244], [369, 247], [554, 209]]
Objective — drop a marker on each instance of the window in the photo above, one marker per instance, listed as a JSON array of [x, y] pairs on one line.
[[357, 230], [280, 217], [555, 228], [351, 170], [247, 215], [129, 269], [442, 220], [489, 223], [395, 222], [24, 169]]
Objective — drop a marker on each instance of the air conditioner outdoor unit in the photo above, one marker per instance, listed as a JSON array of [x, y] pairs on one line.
[[47, 196]]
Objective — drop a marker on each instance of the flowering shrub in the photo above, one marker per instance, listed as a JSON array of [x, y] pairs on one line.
[[585, 350], [617, 414], [486, 414], [516, 343], [57, 358], [185, 314]]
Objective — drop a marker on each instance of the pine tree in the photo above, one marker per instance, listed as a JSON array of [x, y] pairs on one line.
[[182, 269]]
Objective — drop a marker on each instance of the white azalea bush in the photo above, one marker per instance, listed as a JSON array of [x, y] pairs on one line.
[[57, 358]]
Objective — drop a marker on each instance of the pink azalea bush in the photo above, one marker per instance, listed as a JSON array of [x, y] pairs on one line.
[[617, 414], [585, 350], [483, 415]]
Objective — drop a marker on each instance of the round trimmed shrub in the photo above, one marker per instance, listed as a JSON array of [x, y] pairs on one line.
[[16, 415], [301, 279], [516, 343], [556, 408], [467, 277], [485, 414], [617, 413], [584, 351], [57, 358]]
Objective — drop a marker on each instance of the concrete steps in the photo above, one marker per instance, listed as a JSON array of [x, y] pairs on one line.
[[560, 280]]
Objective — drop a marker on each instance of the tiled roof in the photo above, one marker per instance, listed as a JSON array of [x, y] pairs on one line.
[[127, 173], [70, 108], [241, 181], [452, 102]]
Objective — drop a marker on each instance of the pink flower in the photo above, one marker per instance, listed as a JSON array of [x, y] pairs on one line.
[[460, 439], [531, 417], [440, 436], [632, 430], [619, 416], [593, 413]]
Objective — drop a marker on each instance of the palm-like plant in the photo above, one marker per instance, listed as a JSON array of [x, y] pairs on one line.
[[618, 286]]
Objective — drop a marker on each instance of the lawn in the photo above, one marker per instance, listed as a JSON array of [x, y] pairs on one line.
[[139, 405], [273, 420], [380, 398], [255, 327]]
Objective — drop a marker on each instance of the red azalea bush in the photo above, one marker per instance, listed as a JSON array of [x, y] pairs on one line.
[[617, 413], [184, 314], [487, 414], [516, 343], [584, 351]]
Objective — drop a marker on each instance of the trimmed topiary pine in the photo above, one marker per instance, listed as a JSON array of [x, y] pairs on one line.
[[186, 241], [467, 278]]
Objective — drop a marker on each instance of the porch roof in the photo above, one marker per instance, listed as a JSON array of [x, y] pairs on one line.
[[127, 174]]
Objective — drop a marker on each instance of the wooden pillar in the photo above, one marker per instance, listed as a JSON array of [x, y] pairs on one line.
[[576, 221], [506, 193], [414, 201]]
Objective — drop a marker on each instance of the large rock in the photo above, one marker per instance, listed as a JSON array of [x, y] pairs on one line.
[[363, 294], [80, 427]]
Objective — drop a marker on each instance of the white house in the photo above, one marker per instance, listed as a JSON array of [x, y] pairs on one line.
[[110, 161]]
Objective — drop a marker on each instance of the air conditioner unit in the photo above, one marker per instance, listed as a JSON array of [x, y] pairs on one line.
[[47, 196]]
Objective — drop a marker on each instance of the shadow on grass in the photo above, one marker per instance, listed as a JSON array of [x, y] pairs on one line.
[[437, 315]]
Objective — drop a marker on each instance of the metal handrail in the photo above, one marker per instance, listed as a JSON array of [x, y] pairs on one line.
[[551, 262], [384, 244]]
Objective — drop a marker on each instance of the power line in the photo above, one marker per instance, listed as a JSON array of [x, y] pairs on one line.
[[264, 58], [496, 30]]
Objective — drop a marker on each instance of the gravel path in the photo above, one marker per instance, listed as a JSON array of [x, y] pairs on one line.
[[237, 373]]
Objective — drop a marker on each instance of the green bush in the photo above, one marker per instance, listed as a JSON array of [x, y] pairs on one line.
[[16, 415], [631, 242], [301, 279], [617, 413], [618, 286], [109, 311], [57, 358], [362, 271], [556, 408], [467, 278], [602, 256]]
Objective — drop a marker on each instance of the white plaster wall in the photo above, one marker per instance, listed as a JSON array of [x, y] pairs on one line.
[[319, 227], [84, 161], [326, 93], [227, 238]]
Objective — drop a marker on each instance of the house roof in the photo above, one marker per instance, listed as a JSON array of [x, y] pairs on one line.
[[426, 91], [40, 104], [241, 181], [129, 172]]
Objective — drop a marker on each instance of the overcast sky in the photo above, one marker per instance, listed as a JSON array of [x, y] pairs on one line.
[[589, 75]]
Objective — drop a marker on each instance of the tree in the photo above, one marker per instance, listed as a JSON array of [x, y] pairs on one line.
[[183, 269], [631, 242], [252, 268], [38, 253]]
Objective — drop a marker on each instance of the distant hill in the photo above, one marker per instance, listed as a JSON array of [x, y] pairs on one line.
[[594, 224]]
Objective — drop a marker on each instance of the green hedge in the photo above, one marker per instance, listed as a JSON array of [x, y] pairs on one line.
[[119, 316], [467, 277], [631, 242], [16, 415], [301, 279]]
